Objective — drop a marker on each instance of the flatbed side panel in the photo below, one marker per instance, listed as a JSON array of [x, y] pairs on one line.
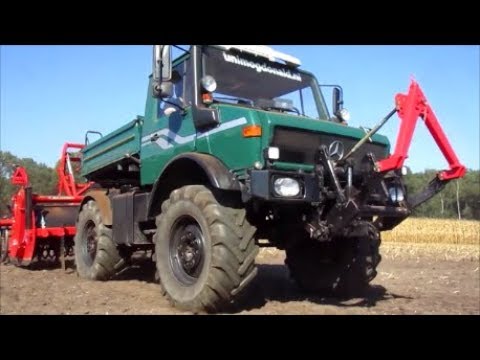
[[112, 148]]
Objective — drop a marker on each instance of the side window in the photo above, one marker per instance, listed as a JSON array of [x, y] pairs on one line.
[[304, 102]]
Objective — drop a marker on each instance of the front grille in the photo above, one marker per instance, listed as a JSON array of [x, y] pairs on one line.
[[299, 146]]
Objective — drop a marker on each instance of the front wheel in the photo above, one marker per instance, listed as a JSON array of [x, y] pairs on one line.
[[342, 267], [205, 251]]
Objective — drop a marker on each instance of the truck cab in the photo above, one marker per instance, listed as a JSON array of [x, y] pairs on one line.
[[249, 107]]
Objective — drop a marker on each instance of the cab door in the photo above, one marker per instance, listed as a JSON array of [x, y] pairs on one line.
[[168, 131]]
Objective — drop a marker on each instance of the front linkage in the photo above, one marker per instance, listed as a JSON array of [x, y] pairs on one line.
[[357, 199], [377, 190]]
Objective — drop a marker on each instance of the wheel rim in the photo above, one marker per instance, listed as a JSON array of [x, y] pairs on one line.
[[187, 250], [90, 245]]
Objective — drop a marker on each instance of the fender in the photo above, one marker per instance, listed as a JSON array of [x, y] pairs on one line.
[[211, 168], [103, 201]]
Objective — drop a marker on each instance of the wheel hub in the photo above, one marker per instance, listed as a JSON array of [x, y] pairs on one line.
[[187, 250], [90, 247]]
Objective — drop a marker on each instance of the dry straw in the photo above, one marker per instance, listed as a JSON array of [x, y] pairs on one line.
[[414, 238]]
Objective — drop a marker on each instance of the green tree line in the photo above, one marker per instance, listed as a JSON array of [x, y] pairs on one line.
[[42, 178], [447, 204], [444, 205]]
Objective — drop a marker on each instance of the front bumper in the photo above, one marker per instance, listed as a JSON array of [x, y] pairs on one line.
[[338, 217]]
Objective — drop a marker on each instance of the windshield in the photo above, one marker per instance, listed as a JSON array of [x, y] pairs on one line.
[[247, 80]]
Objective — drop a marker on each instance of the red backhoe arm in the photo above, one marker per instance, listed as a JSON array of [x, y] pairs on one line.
[[409, 108]]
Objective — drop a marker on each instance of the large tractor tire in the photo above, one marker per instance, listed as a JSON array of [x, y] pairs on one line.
[[96, 255], [205, 250], [343, 267]]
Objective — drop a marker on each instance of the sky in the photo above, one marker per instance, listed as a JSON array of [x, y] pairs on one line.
[[53, 94]]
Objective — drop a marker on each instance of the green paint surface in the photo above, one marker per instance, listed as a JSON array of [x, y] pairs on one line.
[[177, 134], [180, 136]]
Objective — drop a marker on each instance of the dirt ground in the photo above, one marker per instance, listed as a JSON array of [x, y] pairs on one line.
[[411, 280]]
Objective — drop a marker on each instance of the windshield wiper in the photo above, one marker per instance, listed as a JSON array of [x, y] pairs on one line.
[[282, 105], [239, 101]]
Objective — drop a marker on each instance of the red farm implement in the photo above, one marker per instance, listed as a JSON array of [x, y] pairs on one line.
[[42, 227]]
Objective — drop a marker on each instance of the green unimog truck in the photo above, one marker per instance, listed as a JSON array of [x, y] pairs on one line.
[[236, 150]]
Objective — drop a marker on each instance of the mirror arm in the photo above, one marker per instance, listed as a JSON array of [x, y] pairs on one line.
[[179, 107], [338, 100], [161, 68], [337, 105]]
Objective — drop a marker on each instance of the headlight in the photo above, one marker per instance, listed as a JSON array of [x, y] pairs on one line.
[[286, 187], [345, 115], [209, 84], [273, 153], [396, 194]]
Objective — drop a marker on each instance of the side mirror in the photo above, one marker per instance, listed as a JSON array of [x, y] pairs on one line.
[[162, 70], [337, 100]]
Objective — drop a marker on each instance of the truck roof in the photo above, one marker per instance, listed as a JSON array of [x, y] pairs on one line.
[[258, 50], [264, 51]]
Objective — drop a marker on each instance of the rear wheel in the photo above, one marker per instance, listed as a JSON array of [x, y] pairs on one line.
[[205, 251], [343, 267], [96, 255]]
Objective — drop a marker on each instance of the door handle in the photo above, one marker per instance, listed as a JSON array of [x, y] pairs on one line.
[[154, 138]]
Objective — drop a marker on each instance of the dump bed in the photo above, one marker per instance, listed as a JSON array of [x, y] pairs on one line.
[[112, 148]]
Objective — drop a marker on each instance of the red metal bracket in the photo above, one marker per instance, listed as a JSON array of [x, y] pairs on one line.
[[66, 178], [409, 108], [19, 177]]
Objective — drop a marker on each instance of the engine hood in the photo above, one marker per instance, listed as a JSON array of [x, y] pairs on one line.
[[297, 137], [270, 120]]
